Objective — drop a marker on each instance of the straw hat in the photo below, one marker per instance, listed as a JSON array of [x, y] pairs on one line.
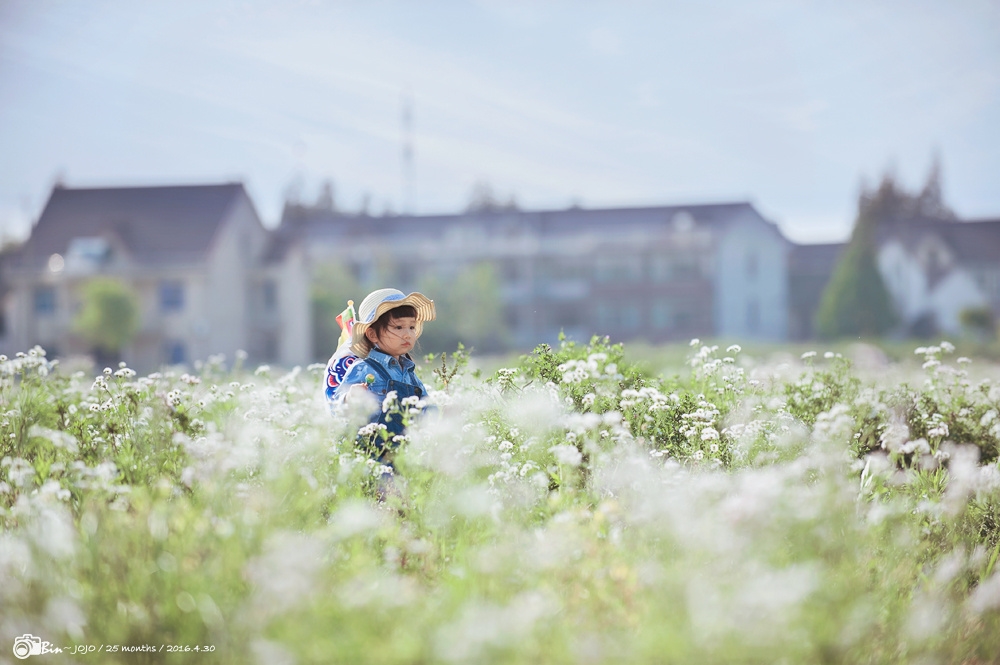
[[378, 303]]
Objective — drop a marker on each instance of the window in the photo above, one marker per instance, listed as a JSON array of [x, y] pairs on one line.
[[175, 353], [686, 267], [86, 254], [606, 316], [564, 269], [45, 300], [269, 295], [171, 296], [509, 270], [660, 269], [660, 315], [619, 269], [683, 320], [569, 315], [631, 317], [270, 350], [618, 317]]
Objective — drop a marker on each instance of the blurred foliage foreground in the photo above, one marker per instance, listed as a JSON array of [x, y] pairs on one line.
[[568, 509]]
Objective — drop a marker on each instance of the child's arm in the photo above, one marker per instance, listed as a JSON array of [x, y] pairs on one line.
[[357, 382]]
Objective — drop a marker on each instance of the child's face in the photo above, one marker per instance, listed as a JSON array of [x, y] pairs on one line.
[[398, 337]]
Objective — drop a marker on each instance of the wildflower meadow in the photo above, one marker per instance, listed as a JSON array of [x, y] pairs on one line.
[[571, 507]]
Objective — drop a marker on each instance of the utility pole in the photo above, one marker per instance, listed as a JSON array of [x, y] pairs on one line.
[[409, 188]]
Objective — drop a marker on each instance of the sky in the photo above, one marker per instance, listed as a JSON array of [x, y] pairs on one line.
[[790, 105]]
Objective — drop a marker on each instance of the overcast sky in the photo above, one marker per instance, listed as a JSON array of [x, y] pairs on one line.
[[785, 104]]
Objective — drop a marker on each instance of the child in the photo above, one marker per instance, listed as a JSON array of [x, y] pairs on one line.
[[386, 329]]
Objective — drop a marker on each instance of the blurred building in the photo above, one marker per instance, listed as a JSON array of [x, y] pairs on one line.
[[809, 271], [934, 270], [193, 255], [211, 279], [653, 273]]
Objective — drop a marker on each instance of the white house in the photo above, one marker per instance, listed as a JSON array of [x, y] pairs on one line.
[[194, 256], [936, 269]]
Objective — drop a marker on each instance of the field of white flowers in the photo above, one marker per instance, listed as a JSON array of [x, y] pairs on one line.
[[567, 509]]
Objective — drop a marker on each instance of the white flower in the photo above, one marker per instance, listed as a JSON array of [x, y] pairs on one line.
[[709, 434], [371, 428], [808, 354], [695, 342], [940, 429], [947, 347], [918, 446], [567, 455]]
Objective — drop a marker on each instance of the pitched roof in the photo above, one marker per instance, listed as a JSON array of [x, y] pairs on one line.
[[154, 224], [331, 226], [975, 241], [814, 258]]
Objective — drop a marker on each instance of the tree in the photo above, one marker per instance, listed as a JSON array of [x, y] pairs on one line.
[[979, 321], [482, 198], [890, 202], [332, 286], [469, 310], [326, 198], [930, 201], [108, 319], [856, 302]]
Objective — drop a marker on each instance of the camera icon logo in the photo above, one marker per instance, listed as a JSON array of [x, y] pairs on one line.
[[29, 645]]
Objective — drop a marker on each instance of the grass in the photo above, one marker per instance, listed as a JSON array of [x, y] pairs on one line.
[[577, 504]]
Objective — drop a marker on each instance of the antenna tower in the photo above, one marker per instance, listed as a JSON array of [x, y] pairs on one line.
[[408, 171]]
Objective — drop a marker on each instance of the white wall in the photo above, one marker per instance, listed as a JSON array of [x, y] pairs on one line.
[[226, 311], [738, 287], [295, 341], [904, 279], [913, 296], [957, 291]]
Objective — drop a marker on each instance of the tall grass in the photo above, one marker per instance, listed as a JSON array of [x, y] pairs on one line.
[[569, 508]]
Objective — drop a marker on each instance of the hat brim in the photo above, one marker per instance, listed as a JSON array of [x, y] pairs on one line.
[[424, 306]]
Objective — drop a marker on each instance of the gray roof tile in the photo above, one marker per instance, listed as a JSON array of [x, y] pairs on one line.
[[155, 224]]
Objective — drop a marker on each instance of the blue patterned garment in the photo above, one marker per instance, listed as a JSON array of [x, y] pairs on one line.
[[336, 370]]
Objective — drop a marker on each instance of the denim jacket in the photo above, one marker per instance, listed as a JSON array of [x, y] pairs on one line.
[[402, 371]]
